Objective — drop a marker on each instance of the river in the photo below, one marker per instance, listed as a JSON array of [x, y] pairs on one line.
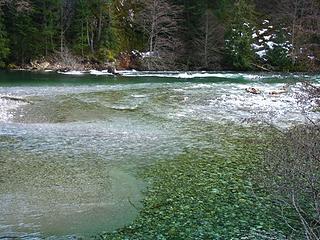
[[71, 144]]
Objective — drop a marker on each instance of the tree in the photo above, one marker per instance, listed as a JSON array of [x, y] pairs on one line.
[[209, 40], [278, 55], [301, 18], [128, 33], [22, 31], [4, 47], [48, 14], [239, 52], [159, 20], [67, 9]]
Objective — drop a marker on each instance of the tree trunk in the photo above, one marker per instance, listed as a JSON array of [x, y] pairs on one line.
[[61, 31], [100, 26], [206, 41]]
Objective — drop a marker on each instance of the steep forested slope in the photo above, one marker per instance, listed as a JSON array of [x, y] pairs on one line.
[[165, 34]]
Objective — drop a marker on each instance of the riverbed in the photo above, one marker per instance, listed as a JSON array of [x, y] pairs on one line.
[[71, 144]]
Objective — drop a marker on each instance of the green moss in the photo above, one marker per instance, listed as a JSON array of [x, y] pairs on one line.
[[205, 195]]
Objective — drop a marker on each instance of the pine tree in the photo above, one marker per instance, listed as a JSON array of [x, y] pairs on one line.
[[239, 53], [23, 32], [4, 48]]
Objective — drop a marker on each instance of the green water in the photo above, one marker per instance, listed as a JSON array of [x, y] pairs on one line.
[[70, 154]]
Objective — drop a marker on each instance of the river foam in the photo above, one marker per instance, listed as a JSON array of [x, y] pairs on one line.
[[194, 75], [8, 108]]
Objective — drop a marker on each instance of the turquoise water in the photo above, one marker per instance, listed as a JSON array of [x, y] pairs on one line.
[[69, 152]]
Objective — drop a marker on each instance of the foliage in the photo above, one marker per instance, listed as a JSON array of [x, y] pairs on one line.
[[239, 52], [190, 34], [278, 55], [4, 48]]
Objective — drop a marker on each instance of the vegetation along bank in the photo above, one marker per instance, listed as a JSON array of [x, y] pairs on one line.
[[160, 34]]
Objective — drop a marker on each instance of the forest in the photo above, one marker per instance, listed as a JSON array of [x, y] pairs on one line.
[[197, 35]]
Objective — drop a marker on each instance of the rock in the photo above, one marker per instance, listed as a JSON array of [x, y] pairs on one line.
[[39, 65], [253, 90], [128, 61], [44, 65]]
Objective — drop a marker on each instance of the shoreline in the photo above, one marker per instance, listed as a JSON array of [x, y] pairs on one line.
[[221, 74]]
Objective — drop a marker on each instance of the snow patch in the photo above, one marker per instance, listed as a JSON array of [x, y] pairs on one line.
[[261, 53], [262, 31]]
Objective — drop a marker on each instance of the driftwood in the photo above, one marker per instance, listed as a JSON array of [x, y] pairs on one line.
[[17, 99], [277, 92], [261, 67], [253, 90], [282, 90]]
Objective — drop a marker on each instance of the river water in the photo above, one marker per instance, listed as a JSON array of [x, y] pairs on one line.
[[71, 144]]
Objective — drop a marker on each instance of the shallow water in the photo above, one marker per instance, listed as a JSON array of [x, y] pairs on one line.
[[69, 155]]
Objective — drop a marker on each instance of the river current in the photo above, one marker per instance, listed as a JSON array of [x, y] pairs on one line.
[[71, 144]]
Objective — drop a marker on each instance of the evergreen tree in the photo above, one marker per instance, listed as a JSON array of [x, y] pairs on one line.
[[239, 53], [278, 56], [128, 32], [182, 34], [23, 32], [4, 48], [48, 17]]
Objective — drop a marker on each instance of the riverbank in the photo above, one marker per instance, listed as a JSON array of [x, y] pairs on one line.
[[68, 62]]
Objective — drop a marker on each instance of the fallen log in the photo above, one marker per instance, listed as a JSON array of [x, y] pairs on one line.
[[17, 99], [253, 90], [261, 67]]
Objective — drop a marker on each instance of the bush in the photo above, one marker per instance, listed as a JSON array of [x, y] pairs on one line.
[[310, 95], [105, 55], [293, 177]]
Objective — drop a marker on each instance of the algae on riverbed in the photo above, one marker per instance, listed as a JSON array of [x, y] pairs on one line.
[[203, 194]]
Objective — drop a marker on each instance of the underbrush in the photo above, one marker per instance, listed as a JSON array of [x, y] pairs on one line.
[[292, 165]]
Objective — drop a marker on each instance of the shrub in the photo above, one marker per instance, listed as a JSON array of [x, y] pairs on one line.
[[292, 166]]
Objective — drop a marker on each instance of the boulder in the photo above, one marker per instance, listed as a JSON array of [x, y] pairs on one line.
[[40, 65]]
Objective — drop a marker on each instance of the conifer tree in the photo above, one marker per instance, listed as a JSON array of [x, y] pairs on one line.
[[4, 48], [239, 52]]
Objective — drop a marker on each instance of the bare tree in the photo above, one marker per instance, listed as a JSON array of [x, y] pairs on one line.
[[160, 22], [302, 19], [66, 13], [210, 40], [20, 5]]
